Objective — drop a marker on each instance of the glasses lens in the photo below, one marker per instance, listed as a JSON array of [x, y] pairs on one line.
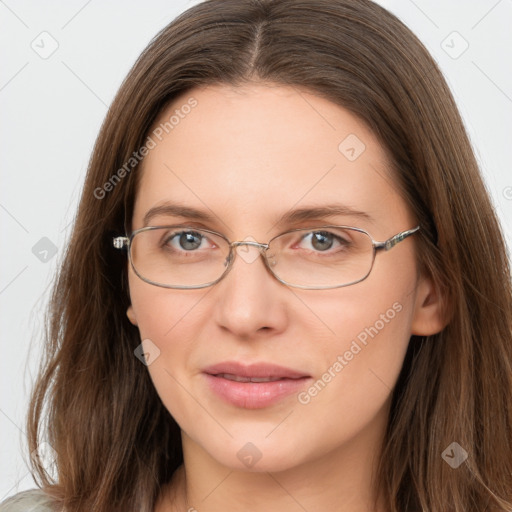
[[325, 258], [179, 256]]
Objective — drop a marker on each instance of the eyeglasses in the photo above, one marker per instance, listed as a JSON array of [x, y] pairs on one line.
[[310, 258]]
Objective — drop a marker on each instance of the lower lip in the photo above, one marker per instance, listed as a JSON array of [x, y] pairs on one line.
[[254, 395]]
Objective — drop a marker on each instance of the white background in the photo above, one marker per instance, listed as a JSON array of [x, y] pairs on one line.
[[51, 111]]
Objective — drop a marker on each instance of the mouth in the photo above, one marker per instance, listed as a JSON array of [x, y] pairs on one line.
[[239, 378], [254, 386]]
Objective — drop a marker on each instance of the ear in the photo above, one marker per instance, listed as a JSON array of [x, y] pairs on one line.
[[430, 309], [130, 313]]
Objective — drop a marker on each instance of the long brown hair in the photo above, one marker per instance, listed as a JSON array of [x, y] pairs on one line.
[[94, 402]]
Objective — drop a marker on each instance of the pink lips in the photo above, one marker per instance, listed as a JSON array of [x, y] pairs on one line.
[[253, 386]]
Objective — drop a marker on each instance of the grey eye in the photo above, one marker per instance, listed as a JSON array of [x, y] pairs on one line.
[[185, 240], [190, 240], [322, 240]]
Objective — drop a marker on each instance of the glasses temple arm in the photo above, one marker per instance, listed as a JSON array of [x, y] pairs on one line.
[[391, 242]]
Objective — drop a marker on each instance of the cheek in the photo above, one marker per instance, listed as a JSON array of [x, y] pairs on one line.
[[358, 368], [370, 327], [170, 324], [369, 334], [371, 355], [162, 312]]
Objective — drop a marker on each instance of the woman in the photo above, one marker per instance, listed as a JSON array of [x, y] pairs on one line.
[[286, 287]]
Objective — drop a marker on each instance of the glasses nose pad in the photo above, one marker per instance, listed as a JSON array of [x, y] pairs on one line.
[[271, 260], [229, 259]]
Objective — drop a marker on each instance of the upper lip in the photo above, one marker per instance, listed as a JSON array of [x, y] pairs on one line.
[[258, 370]]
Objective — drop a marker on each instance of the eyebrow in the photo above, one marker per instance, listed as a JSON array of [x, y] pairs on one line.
[[176, 210], [316, 212], [291, 217]]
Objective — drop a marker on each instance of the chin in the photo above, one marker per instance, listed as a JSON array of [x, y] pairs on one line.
[[242, 454]]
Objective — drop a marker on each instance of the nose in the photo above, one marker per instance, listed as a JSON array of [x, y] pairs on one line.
[[249, 301]]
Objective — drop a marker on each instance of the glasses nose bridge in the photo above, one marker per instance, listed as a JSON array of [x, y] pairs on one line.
[[233, 246], [249, 242]]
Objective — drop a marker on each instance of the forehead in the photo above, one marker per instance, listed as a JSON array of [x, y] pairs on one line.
[[256, 151]]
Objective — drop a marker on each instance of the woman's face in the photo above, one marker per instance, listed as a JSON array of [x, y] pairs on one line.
[[246, 157]]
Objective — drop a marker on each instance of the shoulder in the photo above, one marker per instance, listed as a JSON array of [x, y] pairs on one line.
[[34, 500]]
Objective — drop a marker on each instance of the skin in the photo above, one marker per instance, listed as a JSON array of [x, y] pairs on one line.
[[250, 154]]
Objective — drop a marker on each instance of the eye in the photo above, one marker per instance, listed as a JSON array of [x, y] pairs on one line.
[[324, 240], [184, 240]]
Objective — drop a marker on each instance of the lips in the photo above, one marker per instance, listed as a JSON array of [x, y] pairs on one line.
[[238, 378], [255, 370], [253, 386]]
